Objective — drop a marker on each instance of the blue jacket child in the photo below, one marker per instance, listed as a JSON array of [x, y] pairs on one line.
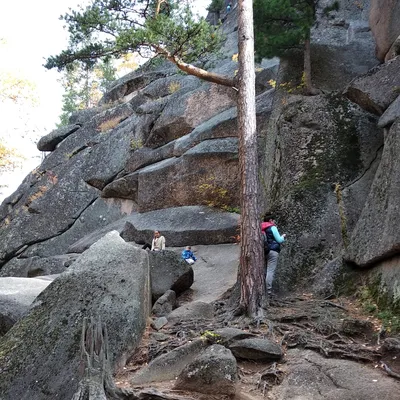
[[188, 255]]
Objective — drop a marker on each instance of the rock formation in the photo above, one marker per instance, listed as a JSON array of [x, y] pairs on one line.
[[160, 152]]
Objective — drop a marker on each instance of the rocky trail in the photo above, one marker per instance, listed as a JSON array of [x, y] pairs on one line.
[[331, 349]]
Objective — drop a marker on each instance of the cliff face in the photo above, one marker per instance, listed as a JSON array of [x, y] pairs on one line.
[[161, 141]]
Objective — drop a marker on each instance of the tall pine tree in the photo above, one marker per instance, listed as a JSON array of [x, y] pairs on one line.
[[282, 25], [84, 84]]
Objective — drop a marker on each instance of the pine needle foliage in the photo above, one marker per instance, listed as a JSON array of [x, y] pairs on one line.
[[281, 25], [112, 28]]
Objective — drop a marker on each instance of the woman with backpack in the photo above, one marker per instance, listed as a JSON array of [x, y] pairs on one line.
[[272, 247]]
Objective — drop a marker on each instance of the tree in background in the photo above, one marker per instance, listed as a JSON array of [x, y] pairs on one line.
[[216, 7], [112, 28], [282, 25], [84, 84], [17, 90]]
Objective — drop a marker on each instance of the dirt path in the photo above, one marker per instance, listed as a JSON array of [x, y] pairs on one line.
[[214, 272], [331, 352]]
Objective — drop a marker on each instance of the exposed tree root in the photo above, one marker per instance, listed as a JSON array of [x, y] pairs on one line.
[[389, 371], [97, 383]]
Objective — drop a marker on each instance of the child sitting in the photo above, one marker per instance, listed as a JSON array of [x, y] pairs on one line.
[[188, 255]]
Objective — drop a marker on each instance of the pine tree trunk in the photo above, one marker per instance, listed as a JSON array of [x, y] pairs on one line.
[[251, 270], [307, 68]]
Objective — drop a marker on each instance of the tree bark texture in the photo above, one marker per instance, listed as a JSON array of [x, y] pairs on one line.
[[251, 269], [307, 68], [196, 71]]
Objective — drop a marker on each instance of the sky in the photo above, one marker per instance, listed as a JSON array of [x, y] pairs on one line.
[[32, 31]]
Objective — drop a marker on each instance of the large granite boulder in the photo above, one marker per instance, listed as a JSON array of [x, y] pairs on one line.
[[317, 146], [390, 115], [37, 266], [183, 226], [206, 174], [312, 376], [384, 21], [40, 355], [376, 235], [214, 371], [192, 311], [164, 304], [169, 365], [377, 89], [183, 113], [16, 296], [168, 271], [59, 200], [50, 141]]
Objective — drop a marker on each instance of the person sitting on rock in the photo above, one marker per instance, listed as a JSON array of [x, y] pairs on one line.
[[188, 255], [158, 242]]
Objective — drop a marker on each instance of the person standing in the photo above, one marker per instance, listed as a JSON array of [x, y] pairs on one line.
[[274, 239], [158, 242]]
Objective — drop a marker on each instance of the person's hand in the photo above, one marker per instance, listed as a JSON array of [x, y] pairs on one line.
[[284, 235]]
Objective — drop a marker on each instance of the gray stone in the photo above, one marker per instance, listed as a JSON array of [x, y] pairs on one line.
[[57, 199], [164, 87], [168, 366], [16, 296], [376, 235], [385, 278], [82, 117], [96, 216], [37, 266], [86, 241], [208, 174], [214, 371], [327, 277], [184, 226], [377, 89], [183, 113], [41, 354], [315, 143], [311, 376], [159, 337], [231, 334], [125, 187], [159, 323], [145, 156], [126, 87], [391, 344], [50, 141], [256, 349], [164, 304], [168, 271], [390, 115], [192, 311], [383, 19]]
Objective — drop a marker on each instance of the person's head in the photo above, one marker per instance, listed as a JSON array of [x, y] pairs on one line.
[[157, 234], [188, 248], [269, 217]]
